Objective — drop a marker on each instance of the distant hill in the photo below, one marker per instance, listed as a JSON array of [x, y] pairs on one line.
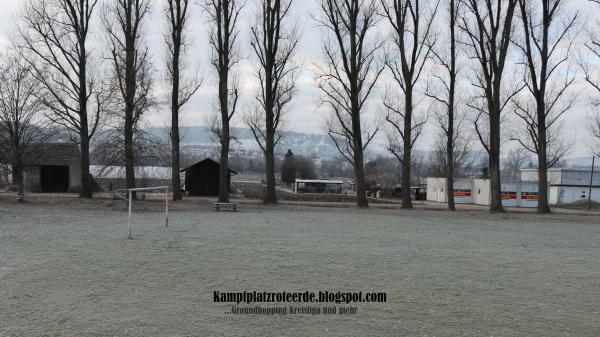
[[300, 143]]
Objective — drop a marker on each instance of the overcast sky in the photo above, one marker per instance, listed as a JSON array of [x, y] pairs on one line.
[[306, 114]]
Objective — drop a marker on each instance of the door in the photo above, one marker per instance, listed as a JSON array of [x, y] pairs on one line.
[[54, 179]]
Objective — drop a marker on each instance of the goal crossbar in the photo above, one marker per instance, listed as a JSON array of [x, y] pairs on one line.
[[130, 201]]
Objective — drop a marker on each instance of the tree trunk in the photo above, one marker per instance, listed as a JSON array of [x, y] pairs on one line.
[[130, 92], [407, 150], [361, 188], [18, 171], [450, 154], [14, 175], [271, 196], [270, 99], [175, 177], [129, 152], [84, 164], [225, 141], [129, 155], [224, 165], [359, 169], [85, 190], [450, 127], [450, 163], [542, 157], [543, 206], [175, 165], [494, 162]]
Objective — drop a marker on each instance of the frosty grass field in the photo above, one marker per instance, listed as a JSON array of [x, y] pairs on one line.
[[68, 269]]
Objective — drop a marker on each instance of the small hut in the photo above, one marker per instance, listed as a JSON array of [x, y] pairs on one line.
[[202, 178], [52, 168]]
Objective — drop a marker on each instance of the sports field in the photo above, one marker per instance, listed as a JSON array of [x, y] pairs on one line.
[[68, 269]]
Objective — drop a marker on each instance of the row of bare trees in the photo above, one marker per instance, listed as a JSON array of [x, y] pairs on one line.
[[83, 94], [83, 90], [352, 70], [461, 67], [486, 35], [77, 90], [53, 38], [273, 41]]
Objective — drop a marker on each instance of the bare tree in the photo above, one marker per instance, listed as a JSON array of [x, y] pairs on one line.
[[488, 27], [109, 150], [132, 73], [419, 171], [22, 124], [558, 145], [592, 78], [305, 168], [413, 40], [274, 41], [398, 140], [515, 160], [545, 45], [54, 39], [181, 90], [446, 58], [223, 17], [462, 151], [348, 78]]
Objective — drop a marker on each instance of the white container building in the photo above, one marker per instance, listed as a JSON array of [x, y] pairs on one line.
[[568, 185], [514, 194], [463, 189]]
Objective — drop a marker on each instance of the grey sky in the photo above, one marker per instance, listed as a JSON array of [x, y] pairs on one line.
[[305, 114]]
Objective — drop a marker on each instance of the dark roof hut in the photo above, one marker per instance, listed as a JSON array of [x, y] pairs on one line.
[[202, 178]]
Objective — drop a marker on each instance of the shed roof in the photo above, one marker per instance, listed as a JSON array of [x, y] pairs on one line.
[[51, 154], [205, 162]]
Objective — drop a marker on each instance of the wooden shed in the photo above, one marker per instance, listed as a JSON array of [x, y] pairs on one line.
[[202, 178], [52, 168]]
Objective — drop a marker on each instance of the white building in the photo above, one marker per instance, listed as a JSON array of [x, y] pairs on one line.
[[477, 191], [514, 194], [318, 186], [567, 185], [575, 176], [436, 190], [564, 195]]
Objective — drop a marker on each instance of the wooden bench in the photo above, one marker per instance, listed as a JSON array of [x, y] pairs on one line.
[[225, 206]]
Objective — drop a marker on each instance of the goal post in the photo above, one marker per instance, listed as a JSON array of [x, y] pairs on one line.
[[130, 203]]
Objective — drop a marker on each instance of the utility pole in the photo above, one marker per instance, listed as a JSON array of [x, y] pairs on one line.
[[589, 203]]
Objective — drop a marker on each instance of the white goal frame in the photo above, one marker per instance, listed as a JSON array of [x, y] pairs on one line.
[[130, 201]]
